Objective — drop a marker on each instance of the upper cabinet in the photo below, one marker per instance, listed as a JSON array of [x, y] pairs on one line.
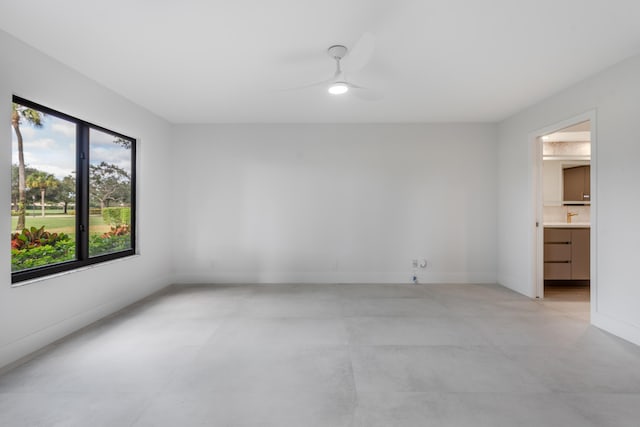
[[577, 184]]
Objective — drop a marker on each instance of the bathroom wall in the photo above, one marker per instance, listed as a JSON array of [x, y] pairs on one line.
[[553, 214]]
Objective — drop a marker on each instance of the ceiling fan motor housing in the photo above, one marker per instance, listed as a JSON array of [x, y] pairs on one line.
[[337, 51]]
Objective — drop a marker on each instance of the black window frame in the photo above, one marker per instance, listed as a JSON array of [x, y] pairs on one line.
[[83, 259]]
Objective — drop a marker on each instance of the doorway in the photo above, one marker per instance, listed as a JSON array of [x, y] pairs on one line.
[[565, 214]]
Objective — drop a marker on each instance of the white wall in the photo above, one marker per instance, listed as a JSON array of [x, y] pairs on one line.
[[335, 203], [32, 316], [615, 95]]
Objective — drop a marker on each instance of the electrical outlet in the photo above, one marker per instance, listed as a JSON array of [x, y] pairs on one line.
[[414, 263]]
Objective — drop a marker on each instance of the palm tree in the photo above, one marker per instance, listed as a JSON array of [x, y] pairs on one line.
[[14, 184], [42, 180], [33, 117]]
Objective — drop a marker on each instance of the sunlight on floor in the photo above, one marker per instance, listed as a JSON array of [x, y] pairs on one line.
[[572, 298]]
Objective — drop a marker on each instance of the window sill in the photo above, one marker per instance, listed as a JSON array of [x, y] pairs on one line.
[[77, 270]]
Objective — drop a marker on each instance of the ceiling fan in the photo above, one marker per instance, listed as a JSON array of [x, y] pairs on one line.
[[355, 59]]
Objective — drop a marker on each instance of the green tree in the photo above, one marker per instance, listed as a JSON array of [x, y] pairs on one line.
[[42, 181], [124, 143], [67, 191], [14, 184], [34, 118], [108, 182]]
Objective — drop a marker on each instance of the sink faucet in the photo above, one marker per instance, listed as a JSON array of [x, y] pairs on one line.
[[569, 215]]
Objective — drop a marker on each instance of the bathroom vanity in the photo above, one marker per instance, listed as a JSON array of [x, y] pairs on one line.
[[566, 251]]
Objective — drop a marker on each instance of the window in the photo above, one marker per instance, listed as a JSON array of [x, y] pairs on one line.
[[72, 192]]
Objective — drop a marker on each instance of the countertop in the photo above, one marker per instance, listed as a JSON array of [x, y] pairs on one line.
[[574, 224]]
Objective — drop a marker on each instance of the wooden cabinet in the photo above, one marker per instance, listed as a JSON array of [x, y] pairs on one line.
[[557, 254], [580, 254], [577, 184], [566, 253]]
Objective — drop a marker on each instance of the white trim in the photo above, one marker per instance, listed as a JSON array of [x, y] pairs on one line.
[[538, 266], [593, 236]]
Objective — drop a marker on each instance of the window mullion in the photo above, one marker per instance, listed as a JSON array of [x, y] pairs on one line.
[[82, 225]]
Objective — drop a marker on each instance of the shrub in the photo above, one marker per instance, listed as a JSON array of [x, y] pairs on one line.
[[35, 237], [113, 241], [42, 255], [117, 231], [36, 247], [117, 216]]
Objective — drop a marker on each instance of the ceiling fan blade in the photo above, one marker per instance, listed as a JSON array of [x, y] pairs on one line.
[[361, 54], [355, 86], [307, 86], [364, 93], [320, 83]]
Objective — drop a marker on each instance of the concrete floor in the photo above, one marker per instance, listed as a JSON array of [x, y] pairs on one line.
[[332, 355]]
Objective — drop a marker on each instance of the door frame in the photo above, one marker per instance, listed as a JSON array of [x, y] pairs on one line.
[[535, 142]]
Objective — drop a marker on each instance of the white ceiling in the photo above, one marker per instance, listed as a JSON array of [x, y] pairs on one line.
[[198, 61]]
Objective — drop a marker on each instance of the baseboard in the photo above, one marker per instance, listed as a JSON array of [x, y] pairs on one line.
[[515, 284], [19, 351], [203, 277], [624, 330]]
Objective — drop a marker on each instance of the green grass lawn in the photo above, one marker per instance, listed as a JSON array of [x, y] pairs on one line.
[[62, 224]]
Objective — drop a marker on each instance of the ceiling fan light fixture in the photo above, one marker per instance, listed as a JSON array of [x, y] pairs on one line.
[[338, 88]]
